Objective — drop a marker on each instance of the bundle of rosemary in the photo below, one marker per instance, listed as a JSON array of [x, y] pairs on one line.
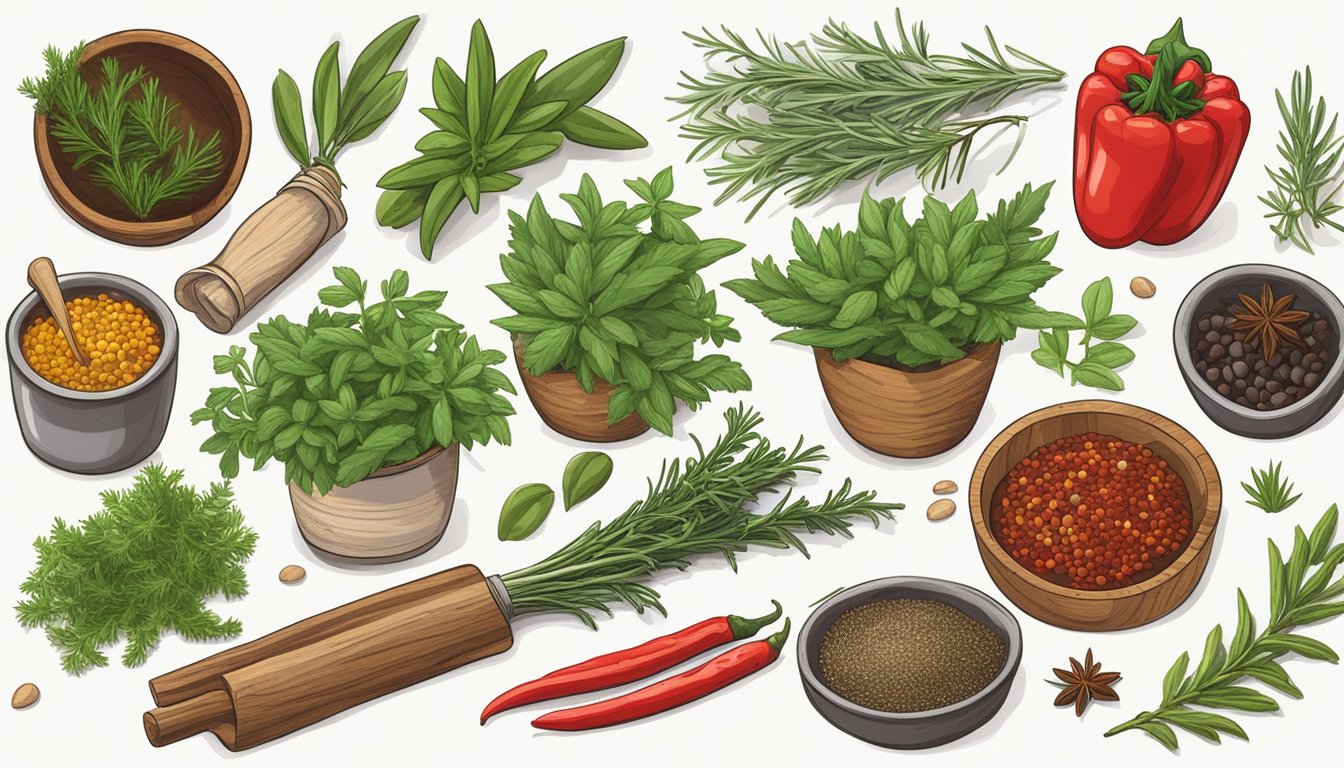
[[844, 107], [697, 507]]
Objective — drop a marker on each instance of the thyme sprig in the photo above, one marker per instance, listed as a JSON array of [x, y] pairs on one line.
[[844, 107], [1302, 188], [696, 507], [1296, 598]]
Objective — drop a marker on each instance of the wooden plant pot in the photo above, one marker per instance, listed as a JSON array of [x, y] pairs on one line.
[[572, 412], [1102, 609], [394, 514], [904, 414], [211, 101]]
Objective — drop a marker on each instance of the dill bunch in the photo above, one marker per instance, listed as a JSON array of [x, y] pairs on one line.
[[143, 564], [696, 507], [125, 131], [1312, 152], [843, 107]]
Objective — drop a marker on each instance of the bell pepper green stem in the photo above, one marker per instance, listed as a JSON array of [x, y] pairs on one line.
[[743, 628], [1158, 94]]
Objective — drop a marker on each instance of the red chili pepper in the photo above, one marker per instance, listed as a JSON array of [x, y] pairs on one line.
[[1156, 138], [719, 672], [631, 664]]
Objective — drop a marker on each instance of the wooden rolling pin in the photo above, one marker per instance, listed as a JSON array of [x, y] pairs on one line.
[[269, 247], [328, 663]]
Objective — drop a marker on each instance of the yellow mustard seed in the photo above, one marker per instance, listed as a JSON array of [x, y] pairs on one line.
[[116, 359]]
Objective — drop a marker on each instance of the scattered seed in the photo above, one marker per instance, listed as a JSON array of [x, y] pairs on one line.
[[942, 509], [1142, 287], [944, 487], [292, 574], [25, 696]]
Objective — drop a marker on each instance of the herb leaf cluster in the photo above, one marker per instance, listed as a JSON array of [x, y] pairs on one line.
[[1100, 358], [844, 107], [607, 298], [142, 565], [343, 113], [347, 393], [125, 131], [487, 128], [1302, 591], [911, 294], [1271, 492], [700, 506], [1312, 151]]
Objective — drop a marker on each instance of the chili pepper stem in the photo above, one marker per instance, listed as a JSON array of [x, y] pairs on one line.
[[776, 641], [743, 628]]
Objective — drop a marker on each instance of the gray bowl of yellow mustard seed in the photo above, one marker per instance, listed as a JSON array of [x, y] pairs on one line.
[[909, 662]]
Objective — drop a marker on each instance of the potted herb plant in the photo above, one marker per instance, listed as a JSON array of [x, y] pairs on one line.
[[366, 410], [906, 320], [610, 310]]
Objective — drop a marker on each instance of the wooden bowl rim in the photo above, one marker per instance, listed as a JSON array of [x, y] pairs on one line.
[[186, 223], [1212, 506]]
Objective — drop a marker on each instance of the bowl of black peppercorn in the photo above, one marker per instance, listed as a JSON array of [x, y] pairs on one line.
[[1258, 346]]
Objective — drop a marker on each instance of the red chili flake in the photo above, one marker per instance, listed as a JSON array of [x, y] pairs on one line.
[[1092, 512]]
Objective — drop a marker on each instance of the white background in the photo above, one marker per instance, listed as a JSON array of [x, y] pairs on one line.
[[96, 718]]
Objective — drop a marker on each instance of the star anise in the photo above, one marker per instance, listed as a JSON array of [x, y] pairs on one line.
[[1270, 319], [1085, 682]]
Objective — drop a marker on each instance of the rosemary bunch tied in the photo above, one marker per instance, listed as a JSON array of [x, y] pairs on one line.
[[696, 507], [839, 97]]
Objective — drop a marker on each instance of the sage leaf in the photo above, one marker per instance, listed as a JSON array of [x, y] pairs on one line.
[[535, 118], [509, 93], [1109, 354], [585, 474], [443, 199], [1113, 327], [376, 108], [592, 128], [327, 96], [1094, 375], [450, 93], [398, 207], [579, 78], [471, 188], [422, 171], [371, 66], [288, 105], [480, 81], [499, 182], [1097, 299], [442, 143], [524, 511]]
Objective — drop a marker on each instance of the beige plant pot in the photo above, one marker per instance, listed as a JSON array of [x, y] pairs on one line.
[[566, 408], [909, 415], [394, 514]]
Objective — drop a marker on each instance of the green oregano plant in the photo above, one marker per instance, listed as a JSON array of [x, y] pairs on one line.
[[1102, 353], [617, 296], [348, 393], [911, 295]]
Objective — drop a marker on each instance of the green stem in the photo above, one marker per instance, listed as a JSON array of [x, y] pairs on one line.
[[744, 628], [1158, 95]]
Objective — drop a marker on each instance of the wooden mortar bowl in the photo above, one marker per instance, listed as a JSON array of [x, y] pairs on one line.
[[210, 101], [1098, 610], [566, 408]]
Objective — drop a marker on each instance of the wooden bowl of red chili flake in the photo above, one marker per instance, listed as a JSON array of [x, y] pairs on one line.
[[1095, 515]]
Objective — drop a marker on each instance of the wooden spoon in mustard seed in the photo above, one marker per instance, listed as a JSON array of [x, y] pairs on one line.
[[42, 276]]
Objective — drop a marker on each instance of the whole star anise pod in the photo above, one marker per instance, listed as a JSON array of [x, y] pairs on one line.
[[1083, 683], [1271, 320]]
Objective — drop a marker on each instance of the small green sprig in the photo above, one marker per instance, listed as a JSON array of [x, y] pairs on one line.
[[1102, 354], [1302, 187], [1271, 492], [1296, 598], [141, 566]]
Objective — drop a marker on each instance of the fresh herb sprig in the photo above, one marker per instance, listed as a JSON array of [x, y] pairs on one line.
[[125, 131], [141, 566], [1100, 358], [696, 507], [1302, 188], [1271, 492], [1298, 596], [348, 393], [488, 128], [343, 113], [844, 107], [608, 298], [911, 294]]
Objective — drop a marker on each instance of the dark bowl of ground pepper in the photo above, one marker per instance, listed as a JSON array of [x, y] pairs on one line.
[[908, 662], [1258, 347]]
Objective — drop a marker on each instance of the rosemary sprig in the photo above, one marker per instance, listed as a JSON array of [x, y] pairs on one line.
[[1295, 599], [1313, 164], [844, 107], [1270, 493], [696, 507]]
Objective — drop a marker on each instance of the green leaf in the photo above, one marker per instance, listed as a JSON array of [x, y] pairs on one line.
[[856, 309], [398, 207], [443, 199], [584, 475], [1097, 300], [288, 106], [524, 511], [450, 93], [592, 128], [1108, 354], [509, 94], [1238, 697], [535, 118], [376, 107], [1160, 731], [327, 95], [480, 82], [370, 68], [1172, 682], [1093, 375], [1301, 645], [442, 423], [1273, 675], [1113, 327], [421, 172], [471, 189], [578, 79]]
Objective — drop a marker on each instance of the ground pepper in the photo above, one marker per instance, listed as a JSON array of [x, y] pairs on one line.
[[120, 338], [1092, 512]]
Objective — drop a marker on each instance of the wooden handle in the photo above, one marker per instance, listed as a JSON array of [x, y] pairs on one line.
[[269, 247], [42, 277]]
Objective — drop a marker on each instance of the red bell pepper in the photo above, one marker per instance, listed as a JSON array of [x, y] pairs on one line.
[[1156, 138]]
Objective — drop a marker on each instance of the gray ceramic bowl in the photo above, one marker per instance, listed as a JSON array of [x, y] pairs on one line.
[[93, 432], [909, 730], [1248, 278]]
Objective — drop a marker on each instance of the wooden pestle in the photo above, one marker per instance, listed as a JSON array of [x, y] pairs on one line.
[[42, 277]]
